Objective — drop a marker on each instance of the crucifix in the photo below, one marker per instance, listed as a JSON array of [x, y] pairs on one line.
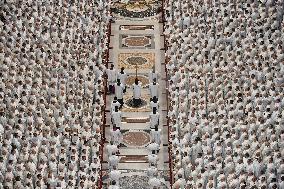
[[136, 70]]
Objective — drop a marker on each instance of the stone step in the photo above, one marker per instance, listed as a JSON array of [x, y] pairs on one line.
[[133, 166], [135, 126], [133, 159], [136, 151], [135, 119]]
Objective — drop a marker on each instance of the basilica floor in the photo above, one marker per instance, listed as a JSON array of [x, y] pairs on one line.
[[136, 39]]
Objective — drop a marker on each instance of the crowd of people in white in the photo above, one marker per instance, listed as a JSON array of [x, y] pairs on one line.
[[51, 57], [226, 85]]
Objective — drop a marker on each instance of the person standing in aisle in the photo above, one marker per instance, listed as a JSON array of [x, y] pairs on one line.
[[119, 92], [114, 104], [153, 146], [136, 93], [153, 158], [153, 75], [154, 88], [111, 148], [152, 170], [156, 134], [154, 103], [111, 78], [116, 136], [154, 118], [115, 175], [113, 161], [116, 117], [122, 76]]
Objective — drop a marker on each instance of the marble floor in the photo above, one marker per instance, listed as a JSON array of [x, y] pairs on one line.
[[137, 39]]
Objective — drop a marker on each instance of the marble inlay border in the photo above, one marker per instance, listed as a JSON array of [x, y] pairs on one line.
[[137, 41], [129, 60], [136, 138]]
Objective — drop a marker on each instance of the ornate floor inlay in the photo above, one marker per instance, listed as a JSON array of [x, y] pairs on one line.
[[136, 9], [130, 60], [128, 41], [142, 78], [136, 27], [137, 138]]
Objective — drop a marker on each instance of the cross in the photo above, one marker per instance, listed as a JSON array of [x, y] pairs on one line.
[[136, 70]]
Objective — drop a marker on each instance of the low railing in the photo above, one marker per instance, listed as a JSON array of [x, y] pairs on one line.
[[103, 125], [167, 97]]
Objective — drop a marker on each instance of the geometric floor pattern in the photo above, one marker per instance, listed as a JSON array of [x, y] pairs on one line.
[[136, 138], [137, 41], [133, 60], [136, 46]]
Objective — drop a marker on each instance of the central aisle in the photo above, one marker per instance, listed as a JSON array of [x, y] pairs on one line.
[[142, 43]]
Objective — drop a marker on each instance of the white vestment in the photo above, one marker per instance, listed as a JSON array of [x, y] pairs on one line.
[[116, 136], [156, 135], [119, 91], [154, 119], [122, 77], [154, 90], [136, 91], [111, 76]]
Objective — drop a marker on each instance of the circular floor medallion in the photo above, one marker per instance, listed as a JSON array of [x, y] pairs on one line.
[[130, 103]]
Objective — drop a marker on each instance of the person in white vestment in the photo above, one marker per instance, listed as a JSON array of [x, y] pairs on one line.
[[113, 161], [116, 117], [153, 147], [115, 175], [136, 93], [156, 134], [116, 135], [152, 170], [111, 148], [154, 103], [154, 89], [180, 183], [119, 92], [111, 78], [153, 158], [153, 75], [154, 118], [122, 77], [114, 104]]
